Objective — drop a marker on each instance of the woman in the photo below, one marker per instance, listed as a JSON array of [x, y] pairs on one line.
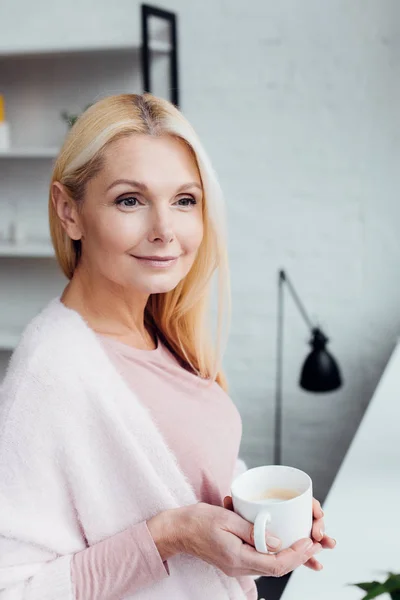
[[119, 441]]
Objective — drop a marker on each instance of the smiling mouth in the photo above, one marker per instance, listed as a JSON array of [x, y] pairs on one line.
[[160, 262], [156, 257]]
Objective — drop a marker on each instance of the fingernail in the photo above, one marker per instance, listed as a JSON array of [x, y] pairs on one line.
[[322, 533], [273, 542]]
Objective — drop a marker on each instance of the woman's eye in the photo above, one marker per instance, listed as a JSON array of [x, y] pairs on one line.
[[130, 201], [187, 201]]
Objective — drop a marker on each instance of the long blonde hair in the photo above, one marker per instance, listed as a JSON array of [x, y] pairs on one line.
[[182, 316]]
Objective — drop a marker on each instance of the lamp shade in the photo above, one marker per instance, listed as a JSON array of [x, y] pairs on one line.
[[320, 372]]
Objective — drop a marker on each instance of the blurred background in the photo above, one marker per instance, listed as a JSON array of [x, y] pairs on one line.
[[297, 104]]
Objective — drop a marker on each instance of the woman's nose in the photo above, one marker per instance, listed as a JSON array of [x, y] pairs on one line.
[[161, 226]]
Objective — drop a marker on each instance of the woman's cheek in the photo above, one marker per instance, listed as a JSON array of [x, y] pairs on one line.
[[193, 235]]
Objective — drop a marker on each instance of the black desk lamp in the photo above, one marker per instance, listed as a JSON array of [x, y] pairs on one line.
[[320, 372]]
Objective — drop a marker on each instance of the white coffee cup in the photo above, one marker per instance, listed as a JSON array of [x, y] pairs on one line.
[[289, 520]]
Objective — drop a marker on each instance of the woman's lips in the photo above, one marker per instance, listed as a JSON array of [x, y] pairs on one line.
[[160, 263]]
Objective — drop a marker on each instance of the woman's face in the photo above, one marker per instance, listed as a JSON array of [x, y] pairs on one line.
[[142, 219]]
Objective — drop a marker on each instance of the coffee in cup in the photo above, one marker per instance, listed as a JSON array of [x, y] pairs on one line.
[[276, 494]]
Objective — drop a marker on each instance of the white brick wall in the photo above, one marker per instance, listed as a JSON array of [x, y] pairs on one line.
[[297, 104]]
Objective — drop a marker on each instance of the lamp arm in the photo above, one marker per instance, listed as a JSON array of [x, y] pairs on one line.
[[279, 360], [283, 278]]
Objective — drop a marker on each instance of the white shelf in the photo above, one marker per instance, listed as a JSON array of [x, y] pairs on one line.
[[29, 152], [28, 250], [9, 339], [156, 46]]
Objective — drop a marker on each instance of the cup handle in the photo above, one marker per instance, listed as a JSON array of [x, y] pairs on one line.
[[260, 524]]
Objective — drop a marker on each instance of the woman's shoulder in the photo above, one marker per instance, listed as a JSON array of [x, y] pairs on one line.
[[49, 350], [38, 337], [49, 377]]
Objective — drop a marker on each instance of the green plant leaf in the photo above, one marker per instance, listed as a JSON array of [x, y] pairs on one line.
[[374, 588], [377, 591], [393, 581], [367, 586]]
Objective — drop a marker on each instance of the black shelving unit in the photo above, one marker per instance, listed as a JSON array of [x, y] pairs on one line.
[[170, 18]]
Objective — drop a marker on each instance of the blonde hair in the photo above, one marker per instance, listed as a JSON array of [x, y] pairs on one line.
[[181, 316]]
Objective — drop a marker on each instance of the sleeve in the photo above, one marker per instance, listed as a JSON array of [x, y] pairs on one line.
[[249, 587], [43, 552], [37, 530], [115, 567], [118, 566]]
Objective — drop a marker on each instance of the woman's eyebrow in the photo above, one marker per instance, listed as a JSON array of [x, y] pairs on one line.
[[131, 182], [143, 186], [191, 184]]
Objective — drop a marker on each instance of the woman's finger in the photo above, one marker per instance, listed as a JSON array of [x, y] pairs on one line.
[[318, 535], [317, 510], [313, 564], [318, 530], [245, 530], [328, 542], [277, 565]]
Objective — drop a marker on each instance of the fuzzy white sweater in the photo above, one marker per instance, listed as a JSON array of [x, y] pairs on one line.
[[81, 460]]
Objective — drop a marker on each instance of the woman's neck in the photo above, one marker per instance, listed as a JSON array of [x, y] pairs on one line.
[[108, 314]]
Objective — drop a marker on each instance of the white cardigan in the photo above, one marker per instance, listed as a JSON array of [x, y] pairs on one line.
[[81, 460]]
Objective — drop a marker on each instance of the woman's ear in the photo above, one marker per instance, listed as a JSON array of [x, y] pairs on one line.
[[66, 210]]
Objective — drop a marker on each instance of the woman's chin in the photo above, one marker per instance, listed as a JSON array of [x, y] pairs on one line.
[[158, 287]]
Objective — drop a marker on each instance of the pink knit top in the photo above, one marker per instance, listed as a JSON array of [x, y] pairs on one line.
[[202, 427]]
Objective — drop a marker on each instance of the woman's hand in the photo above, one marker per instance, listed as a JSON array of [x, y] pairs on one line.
[[318, 532], [222, 538]]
